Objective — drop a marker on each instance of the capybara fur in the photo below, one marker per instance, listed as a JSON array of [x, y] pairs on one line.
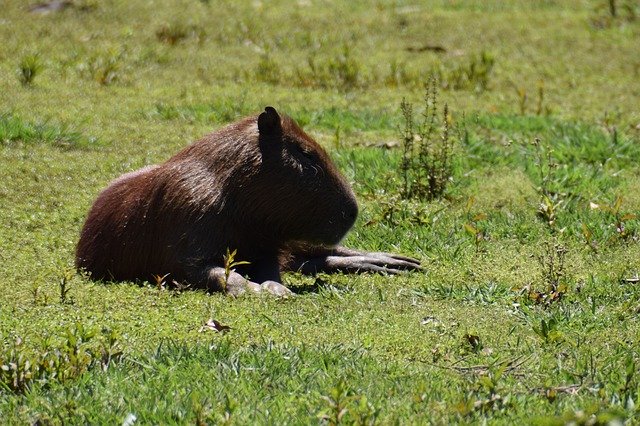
[[259, 186]]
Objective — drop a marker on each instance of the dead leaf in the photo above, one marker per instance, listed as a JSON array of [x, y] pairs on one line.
[[215, 326], [427, 47], [51, 6]]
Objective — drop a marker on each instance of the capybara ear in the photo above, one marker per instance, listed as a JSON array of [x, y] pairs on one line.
[[269, 122]]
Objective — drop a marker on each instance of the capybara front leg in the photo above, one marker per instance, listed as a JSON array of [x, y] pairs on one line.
[[342, 259], [235, 284]]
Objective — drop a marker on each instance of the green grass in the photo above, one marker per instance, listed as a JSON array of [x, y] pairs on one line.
[[481, 336], [14, 130]]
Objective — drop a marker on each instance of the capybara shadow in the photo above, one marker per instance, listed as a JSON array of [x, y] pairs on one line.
[[260, 186]]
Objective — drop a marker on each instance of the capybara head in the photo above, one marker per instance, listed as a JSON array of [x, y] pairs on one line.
[[298, 192]]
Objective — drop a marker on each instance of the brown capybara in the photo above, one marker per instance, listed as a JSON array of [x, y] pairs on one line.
[[260, 186]]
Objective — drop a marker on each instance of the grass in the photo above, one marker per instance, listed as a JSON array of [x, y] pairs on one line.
[[14, 130], [517, 319]]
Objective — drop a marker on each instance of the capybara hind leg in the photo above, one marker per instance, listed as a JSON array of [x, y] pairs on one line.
[[342, 259], [235, 284]]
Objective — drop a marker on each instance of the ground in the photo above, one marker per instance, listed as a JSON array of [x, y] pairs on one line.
[[527, 311]]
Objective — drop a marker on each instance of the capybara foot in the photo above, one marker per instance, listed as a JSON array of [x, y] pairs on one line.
[[346, 260], [276, 289]]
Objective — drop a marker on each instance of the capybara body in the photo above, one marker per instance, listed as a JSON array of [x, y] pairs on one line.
[[258, 186]]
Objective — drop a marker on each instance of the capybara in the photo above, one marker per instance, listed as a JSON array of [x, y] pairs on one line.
[[260, 186]]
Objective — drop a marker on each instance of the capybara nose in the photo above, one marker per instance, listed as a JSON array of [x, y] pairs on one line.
[[350, 211]]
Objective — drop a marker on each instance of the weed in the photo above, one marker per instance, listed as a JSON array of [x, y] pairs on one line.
[[486, 395], [268, 69], [221, 110], [473, 74], [175, 32], [160, 281], [540, 108], [548, 331], [15, 129], [105, 67], [553, 280], [471, 226], [346, 407], [398, 74], [588, 238], [30, 66], [78, 353], [63, 285], [522, 98], [229, 264], [611, 12], [427, 156], [540, 104], [620, 219], [342, 70], [551, 199]]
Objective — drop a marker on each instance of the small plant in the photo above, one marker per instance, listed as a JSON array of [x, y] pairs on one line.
[[553, 275], [344, 407], [268, 69], [619, 218], [160, 281], [63, 285], [105, 67], [398, 74], [539, 105], [344, 68], [548, 331], [588, 238], [229, 264], [427, 154], [29, 67], [551, 200], [342, 71], [523, 97], [175, 32], [473, 74], [471, 226], [171, 34], [614, 12], [79, 352]]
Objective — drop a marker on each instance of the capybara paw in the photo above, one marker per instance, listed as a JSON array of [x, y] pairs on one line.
[[276, 289], [383, 263]]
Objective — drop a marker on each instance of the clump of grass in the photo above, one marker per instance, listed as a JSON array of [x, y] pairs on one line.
[[473, 74], [610, 12], [268, 69], [540, 108], [427, 154], [473, 227], [345, 68], [14, 129], [342, 70], [402, 74], [175, 32], [554, 279], [343, 405], [104, 68], [619, 219], [219, 110], [551, 198], [30, 66], [79, 352]]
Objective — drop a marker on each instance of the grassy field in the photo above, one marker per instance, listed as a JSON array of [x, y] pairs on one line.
[[528, 310]]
